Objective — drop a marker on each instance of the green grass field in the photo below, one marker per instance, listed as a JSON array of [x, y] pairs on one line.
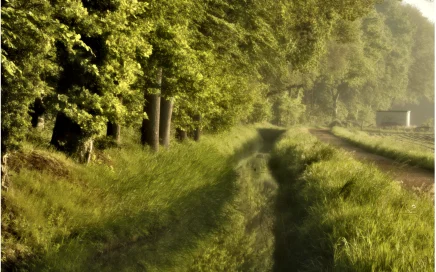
[[342, 215], [414, 149], [212, 206], [183, 209]]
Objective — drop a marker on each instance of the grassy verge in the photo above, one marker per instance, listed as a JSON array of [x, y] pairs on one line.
[[337, 214], [423, 131], [407, 153], [184, 209]]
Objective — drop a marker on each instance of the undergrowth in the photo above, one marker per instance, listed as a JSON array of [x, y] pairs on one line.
[[182, 209], [407, 153], [337, 214]]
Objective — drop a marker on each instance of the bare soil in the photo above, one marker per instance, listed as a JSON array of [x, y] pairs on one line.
[[411, 177]]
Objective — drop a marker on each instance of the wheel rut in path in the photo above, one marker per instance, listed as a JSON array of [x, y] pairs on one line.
[[287, 212], [411, 177]]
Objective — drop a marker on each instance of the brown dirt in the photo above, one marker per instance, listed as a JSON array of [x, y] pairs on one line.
[[37, 161], [411, 177]]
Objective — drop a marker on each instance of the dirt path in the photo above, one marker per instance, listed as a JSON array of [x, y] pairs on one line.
[[411, 177]]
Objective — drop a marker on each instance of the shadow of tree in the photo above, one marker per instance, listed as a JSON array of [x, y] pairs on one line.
[[293, 248], [156, 239], [269, 136]]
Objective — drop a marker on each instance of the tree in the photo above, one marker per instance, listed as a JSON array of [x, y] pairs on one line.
[[289, 110], [27, 58], [104, 69], [421, 72], [219, 59], [165, 67], [369, 64], [27, 64]]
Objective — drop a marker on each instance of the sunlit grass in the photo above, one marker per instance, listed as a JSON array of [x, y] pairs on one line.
[[134, 210], [409, 152], [213, 206], [343, 215]]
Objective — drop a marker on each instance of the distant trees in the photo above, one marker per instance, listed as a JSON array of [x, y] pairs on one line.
[[372, 63], [288, 110], [421, 71]]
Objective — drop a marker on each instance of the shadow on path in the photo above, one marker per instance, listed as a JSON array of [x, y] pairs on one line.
[[289, 213], [269, 136]]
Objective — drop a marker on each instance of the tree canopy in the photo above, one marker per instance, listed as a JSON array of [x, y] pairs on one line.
[[384, 58], [89, 64]]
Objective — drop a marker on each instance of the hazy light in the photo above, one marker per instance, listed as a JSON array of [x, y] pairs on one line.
[[427, 7]]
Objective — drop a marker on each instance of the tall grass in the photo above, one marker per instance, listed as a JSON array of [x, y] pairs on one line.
[[339, 214], [408, 153], [183, 209]]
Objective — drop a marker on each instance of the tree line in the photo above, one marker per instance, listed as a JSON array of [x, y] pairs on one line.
[[382, 59], [95, 66]]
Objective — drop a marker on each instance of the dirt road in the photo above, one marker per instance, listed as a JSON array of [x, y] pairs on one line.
[[411, 177]]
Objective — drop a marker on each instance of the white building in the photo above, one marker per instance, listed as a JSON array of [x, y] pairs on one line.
[[393, 118]]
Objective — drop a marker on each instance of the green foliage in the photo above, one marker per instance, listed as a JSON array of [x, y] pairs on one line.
[[105, 67], [421, 72], [343, 215], [289, 110], [428, 123], [363, 116], [262, 112], [27, 62], [220, 59], [44, 44], [372, 63]]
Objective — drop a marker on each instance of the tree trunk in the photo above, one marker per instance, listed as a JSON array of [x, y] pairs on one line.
[[197, 131], [166, 112], [4, 172], [335, 110], [113, 128], [68, 137], [181, 134], [85, 150], [36, 112], [150, 126], [335, 106], [66, 134], [114, 131]]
